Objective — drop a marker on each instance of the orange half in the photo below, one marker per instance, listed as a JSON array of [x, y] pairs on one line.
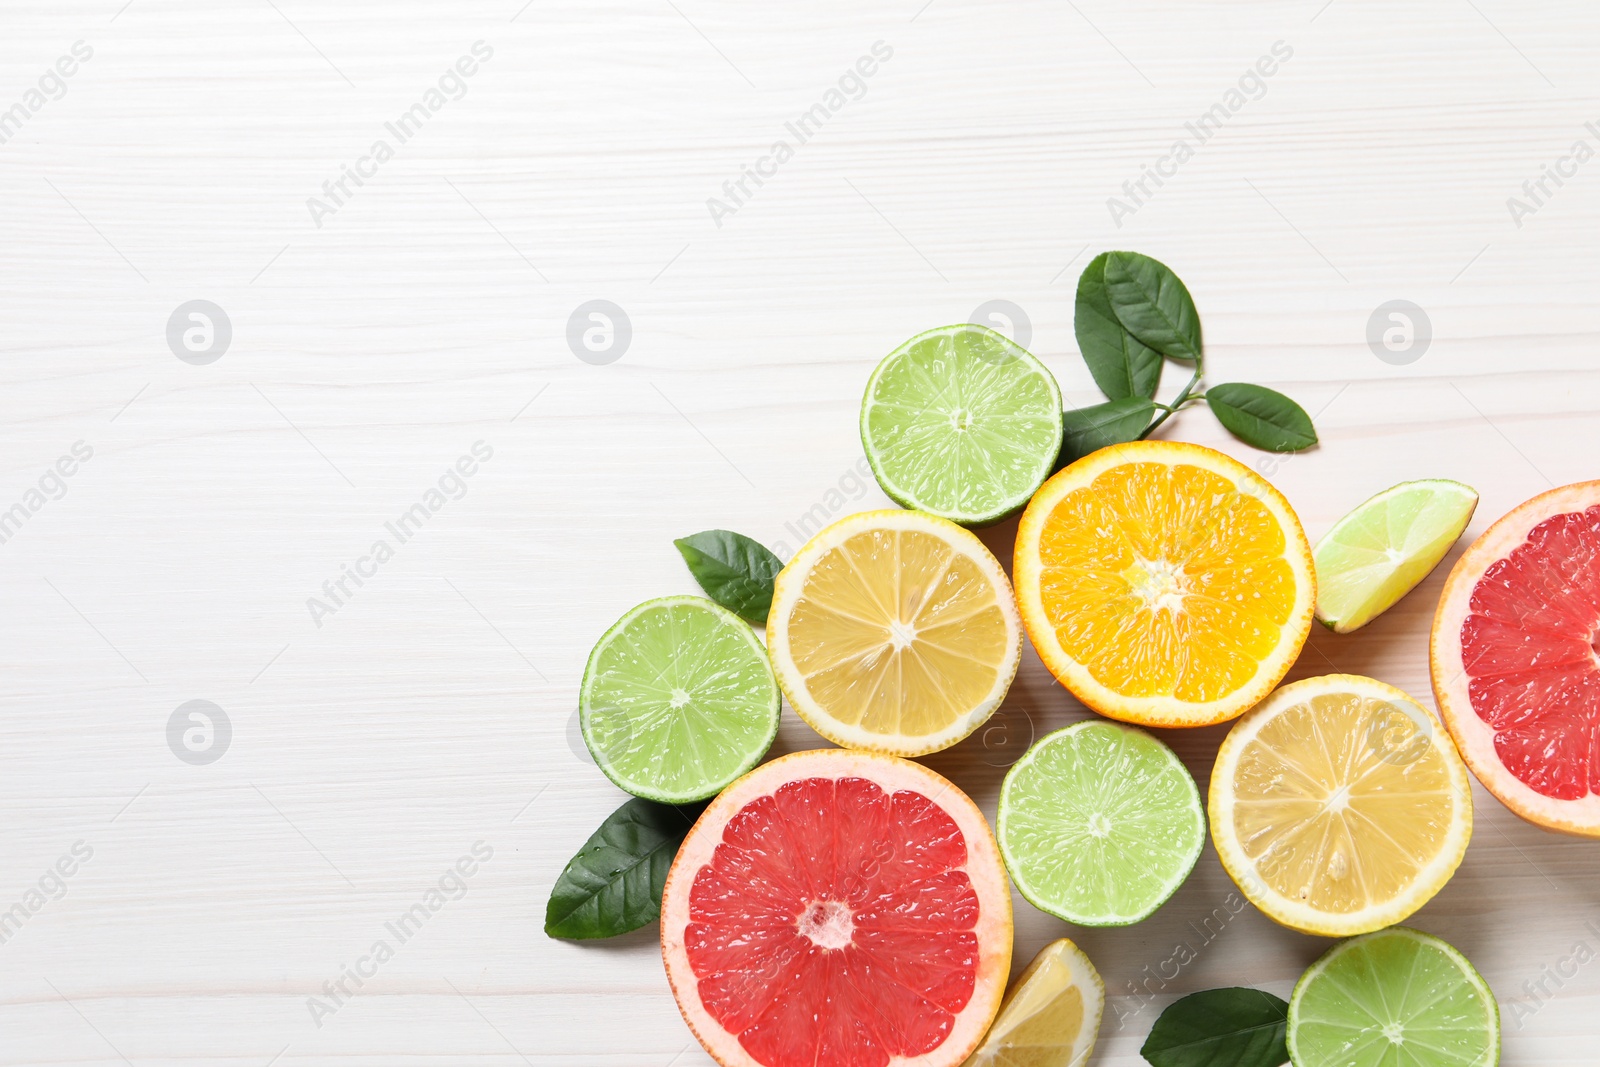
[[1163, 583]]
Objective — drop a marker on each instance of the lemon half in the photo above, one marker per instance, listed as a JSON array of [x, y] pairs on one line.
[[894, 632], [1339, 805]]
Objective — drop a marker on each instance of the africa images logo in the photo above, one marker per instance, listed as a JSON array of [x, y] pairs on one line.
[[1252, 85], [451, 485], [451, 86], [52, 85], [805, 126], [452, 885]]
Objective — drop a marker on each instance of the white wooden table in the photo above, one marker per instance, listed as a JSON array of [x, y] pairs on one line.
[[376, 338]]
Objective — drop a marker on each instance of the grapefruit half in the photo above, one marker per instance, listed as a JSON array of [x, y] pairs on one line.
[[1513, 656], [838, 909]]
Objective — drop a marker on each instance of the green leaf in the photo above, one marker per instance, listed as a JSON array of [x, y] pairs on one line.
[[1120, 364], [1220, 1028], [734, 571], [614, 883], [1261, 417], [1098, 425], [1153, 304]]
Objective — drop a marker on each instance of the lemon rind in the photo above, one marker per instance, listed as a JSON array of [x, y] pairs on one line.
[[1286, 911], [790, 583]]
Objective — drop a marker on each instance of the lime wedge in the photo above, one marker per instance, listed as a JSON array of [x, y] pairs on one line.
[[961, 422], [1396, 997], [678, 700], [1380, 551], [1099, 824]]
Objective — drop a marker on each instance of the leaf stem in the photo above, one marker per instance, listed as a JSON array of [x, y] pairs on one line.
[[1178, 401]]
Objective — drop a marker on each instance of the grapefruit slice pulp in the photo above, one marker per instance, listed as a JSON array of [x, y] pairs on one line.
[[1514, 659], [838, 909]]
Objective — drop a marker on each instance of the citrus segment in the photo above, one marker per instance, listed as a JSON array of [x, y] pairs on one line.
[[678, 700], [1380, 551], [894, 631], [1164, 584], [838, 908], [1514, 658], [1099, 824], [1338, 807], [1051, 1016], [961, 422], [1397, 998]]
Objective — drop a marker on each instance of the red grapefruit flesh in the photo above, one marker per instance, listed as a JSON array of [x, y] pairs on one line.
[[1514, 659], [838, 909]]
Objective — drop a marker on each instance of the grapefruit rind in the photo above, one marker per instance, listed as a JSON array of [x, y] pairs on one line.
[[790, 583], [1161, 711], [1286, 911], [1473, 736], [984, 868]]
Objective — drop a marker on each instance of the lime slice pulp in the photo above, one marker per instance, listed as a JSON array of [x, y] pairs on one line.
[[678, 700], [1099, 824], [961, 422], [1380, 551], [1394, 997]]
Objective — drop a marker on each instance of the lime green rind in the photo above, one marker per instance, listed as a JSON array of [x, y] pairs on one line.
[[1341, 1006], [985, 472], [1384, 548], [1113, 872], [669, 754]]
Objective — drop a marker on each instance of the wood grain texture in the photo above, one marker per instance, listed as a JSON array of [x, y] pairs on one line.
[[434, 708]]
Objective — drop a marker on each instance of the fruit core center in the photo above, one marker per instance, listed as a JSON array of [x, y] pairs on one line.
[[1395, 1032], [901, 634], [961, 420], [1339, 800], [828, 923], [1099, 825], [1160, 583], [680, 697]]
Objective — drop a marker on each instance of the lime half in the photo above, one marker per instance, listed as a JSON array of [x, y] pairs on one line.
[[678, 700], [1380, 551], [961, 422], [1396, 998], [1099, 824]]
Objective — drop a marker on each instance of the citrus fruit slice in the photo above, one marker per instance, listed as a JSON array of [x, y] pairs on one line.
[[1514, 660], [838, 908], [678, 700], [1099, 824], [1338, 806], [961, 422], [1380, 551], [894, 631], [1164, 584], [1396, 998], [1051, 1016]]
